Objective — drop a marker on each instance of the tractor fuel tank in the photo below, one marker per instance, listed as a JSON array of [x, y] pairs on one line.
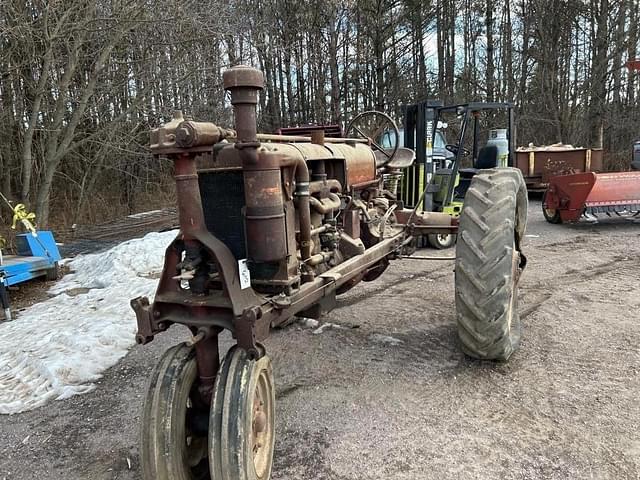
[[352, 164]]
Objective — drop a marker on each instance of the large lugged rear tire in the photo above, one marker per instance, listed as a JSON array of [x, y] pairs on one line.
[[489, 262]]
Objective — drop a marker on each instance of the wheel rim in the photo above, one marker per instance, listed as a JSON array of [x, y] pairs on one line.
[[195, 453], [550, 212], [262, 425], [443, 238]]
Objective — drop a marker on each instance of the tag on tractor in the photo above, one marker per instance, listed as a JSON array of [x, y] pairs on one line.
[[245, 275]]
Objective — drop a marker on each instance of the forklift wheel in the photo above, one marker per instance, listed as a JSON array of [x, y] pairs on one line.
[[441, 240], [551, 215], [170, 448], [241, 425], [489, 263]]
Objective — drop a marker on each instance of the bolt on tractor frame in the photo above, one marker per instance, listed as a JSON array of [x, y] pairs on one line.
[[274, 226]]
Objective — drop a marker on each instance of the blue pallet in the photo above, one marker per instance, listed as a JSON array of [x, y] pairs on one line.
[[36, 255]]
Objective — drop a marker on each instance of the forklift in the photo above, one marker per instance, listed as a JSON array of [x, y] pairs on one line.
[[447, 182]]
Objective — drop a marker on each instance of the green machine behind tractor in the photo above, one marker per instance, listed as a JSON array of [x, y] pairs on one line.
[[440, 169]]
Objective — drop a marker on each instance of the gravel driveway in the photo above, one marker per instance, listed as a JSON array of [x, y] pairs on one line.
[[388, 395]]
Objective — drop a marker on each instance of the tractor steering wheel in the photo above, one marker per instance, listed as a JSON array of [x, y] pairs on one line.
[[454, 149], [373, 125]]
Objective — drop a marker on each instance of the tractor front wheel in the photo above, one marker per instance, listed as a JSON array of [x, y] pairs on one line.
[[174, 442], [489, 263], [241, 425]]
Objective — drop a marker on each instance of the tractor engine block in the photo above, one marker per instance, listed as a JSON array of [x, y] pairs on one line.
[[297, 210]]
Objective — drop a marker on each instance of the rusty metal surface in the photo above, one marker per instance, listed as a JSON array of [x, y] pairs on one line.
[[538, 165], [195, 134], [359, 163], [244, 83], [269, 137], [208, 363], [264, 212], [334, 131]]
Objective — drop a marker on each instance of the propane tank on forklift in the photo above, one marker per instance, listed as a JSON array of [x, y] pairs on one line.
[[498, 138]]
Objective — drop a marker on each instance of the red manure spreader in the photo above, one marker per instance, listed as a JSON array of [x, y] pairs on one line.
[[569, 197]]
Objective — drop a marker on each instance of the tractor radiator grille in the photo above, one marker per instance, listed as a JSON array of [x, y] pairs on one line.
[[222, 200]]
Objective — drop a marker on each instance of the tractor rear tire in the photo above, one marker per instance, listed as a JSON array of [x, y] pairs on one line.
[[169, 450], [489, 263], [242, 421]]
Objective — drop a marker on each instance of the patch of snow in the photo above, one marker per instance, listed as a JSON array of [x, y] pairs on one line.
[[145, 214], [385, 339], [56, 349], [327, 326], [308, 322]]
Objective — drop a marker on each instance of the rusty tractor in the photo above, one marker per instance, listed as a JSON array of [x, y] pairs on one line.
[[276, 226]]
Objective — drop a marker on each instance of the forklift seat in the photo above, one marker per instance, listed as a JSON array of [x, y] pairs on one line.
[[487, 158]]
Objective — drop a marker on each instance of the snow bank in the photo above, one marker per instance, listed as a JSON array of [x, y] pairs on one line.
[[56, 348]]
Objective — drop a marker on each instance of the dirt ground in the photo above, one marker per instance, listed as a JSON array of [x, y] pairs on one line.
[[354, 404]]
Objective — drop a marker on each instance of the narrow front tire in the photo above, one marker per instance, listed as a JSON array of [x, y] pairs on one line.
[[242, 422], [171, 448]]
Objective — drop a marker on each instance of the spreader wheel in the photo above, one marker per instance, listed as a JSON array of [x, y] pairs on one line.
[[241, 428], [489, 263], [551, 215], [173, 446], [441, 240]]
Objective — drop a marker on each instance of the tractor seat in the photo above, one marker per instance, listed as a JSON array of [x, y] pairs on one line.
[[403, 158], [487, 158]]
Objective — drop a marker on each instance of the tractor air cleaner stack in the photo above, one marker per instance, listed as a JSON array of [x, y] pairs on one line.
[[264, 205]]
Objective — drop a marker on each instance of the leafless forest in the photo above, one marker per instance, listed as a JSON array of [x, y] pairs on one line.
[[81, 82]]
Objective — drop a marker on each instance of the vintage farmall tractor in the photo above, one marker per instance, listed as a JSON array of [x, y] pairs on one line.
[[273, 227]]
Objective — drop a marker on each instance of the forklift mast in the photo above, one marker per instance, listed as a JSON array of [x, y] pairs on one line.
[[420, 124], [421, 121]]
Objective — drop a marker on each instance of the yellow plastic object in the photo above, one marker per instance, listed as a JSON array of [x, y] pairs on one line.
[[20, 214], [442, 180], [453, 209]]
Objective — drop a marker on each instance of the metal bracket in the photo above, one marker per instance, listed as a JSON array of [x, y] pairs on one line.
[[144, 318], [245, 331]]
